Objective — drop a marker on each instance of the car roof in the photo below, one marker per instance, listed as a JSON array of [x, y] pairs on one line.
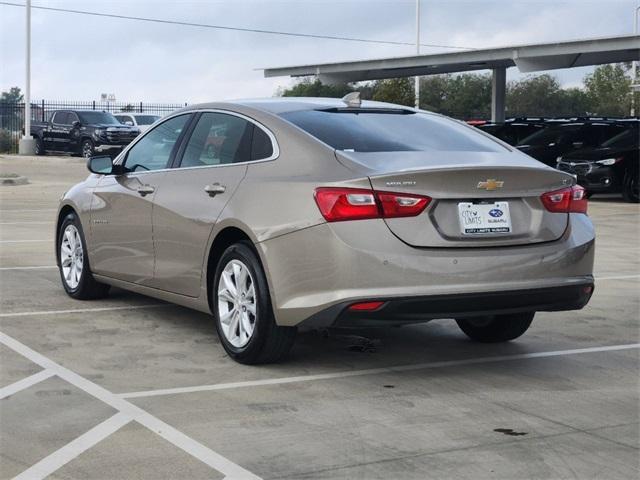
[[280, 105]]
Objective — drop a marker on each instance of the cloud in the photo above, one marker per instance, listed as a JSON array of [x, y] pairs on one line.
[[79, 57]]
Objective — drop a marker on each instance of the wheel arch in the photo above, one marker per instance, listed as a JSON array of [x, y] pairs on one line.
[[223, 239], [62, 214]]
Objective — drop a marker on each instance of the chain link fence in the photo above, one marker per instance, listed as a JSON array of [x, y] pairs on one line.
[[12, 115]]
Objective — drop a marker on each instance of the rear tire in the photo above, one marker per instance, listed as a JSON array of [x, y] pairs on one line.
[[496, 328], [73, 262], [242, 309]]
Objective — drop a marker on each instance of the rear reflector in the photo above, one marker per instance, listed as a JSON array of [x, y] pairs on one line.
[[365, 306], [340, 204], [567, 200]]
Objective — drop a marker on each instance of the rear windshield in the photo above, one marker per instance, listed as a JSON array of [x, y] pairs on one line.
[[552, 135], [362, 130]]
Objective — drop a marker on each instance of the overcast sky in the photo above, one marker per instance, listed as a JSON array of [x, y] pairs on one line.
[[79, 57]]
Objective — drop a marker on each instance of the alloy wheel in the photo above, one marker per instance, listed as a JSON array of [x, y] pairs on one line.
[[237, 303], [87, 150], [71, 256]]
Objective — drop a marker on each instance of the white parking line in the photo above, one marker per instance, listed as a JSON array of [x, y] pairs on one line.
[[27, 241], [27, 223], [179, 439], [25, 383], [84, 442], [617, 277], [83, 310], [374, 371], [37, 267]]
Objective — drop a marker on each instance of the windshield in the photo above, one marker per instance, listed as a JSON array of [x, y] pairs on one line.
[[626, 139], [98, 118], [385, 130], [146, 119], [551, 136]]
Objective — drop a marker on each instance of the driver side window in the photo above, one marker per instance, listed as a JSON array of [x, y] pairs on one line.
[[153, 151]]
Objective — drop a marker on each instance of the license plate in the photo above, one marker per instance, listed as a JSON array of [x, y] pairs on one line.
[[484, 218]]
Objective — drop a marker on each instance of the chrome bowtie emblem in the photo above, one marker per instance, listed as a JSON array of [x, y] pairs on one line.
[[491, 184]]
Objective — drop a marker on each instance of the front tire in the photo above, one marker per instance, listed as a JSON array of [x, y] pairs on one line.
[[496, 328], [630, 190], [73, 262], [243, 312], [40, 147], [87, 148]]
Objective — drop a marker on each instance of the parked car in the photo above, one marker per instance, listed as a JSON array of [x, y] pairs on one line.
[[561, 138], [610, 167], [326, 212], [513, 130], [141, 120], [82, 132]]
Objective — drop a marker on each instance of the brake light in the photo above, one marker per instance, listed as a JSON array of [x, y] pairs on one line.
[[340, 204], [567, 200]]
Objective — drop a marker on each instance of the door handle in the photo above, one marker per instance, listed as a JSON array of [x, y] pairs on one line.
[[213, 190], [145, 190]]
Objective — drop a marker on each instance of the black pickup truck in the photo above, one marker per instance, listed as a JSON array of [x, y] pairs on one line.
[[82, 132]]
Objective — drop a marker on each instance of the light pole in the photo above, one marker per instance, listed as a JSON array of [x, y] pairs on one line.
[[417, 90], [27, 145]]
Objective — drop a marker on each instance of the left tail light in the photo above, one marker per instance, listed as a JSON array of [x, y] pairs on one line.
[[567, 200], [340, 204]]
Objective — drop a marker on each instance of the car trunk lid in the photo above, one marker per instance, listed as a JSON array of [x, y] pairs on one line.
[[493, 185]]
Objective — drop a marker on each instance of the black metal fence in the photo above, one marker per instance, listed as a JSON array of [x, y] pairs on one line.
[[12, 115]]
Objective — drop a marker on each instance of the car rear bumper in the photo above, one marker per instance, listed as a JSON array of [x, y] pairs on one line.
[[329, 266], [396, 311]]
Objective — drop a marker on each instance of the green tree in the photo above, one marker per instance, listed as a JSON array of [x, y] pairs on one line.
[[394, 90], [315, 88], [609, 89], [13, 95], [534, 96]]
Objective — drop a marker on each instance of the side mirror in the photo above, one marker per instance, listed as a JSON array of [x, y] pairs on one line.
[[76, 124], [128, 122], [102, 164]]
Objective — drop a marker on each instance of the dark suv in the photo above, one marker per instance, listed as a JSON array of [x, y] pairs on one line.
[[562, 138], [610, 167], [82, 132], [513, 130]]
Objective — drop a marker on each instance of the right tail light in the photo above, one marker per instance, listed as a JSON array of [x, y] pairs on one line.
[[567, 200]]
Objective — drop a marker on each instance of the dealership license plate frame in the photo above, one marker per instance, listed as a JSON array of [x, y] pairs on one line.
[[484, 219]]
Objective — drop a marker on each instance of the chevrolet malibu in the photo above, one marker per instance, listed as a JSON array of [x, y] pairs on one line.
[[314, 213]]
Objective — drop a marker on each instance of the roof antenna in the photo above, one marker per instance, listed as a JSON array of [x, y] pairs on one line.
[[352, 99]]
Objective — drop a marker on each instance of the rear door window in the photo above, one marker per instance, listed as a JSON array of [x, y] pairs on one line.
[[218, 139]]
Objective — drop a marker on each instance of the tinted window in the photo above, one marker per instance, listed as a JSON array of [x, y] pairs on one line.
[[602, 133], [218, 139], [146, 119], [367, 130], [152, 152], [61, 118], [98, 118], [560, 134], [627, 139], [261, 146], [124, 118]]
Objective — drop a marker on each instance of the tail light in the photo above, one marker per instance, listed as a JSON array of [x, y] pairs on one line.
[[340, 204], [567, 200]]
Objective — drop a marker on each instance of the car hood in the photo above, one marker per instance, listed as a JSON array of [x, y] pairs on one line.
[[109, 125]]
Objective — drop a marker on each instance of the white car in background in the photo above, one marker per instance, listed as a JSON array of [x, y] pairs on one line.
[[141, 120]]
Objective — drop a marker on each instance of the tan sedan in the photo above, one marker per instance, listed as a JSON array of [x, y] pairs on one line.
[[325, 212]]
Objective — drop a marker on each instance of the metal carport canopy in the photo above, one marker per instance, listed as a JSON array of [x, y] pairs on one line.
[[528, 58]]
